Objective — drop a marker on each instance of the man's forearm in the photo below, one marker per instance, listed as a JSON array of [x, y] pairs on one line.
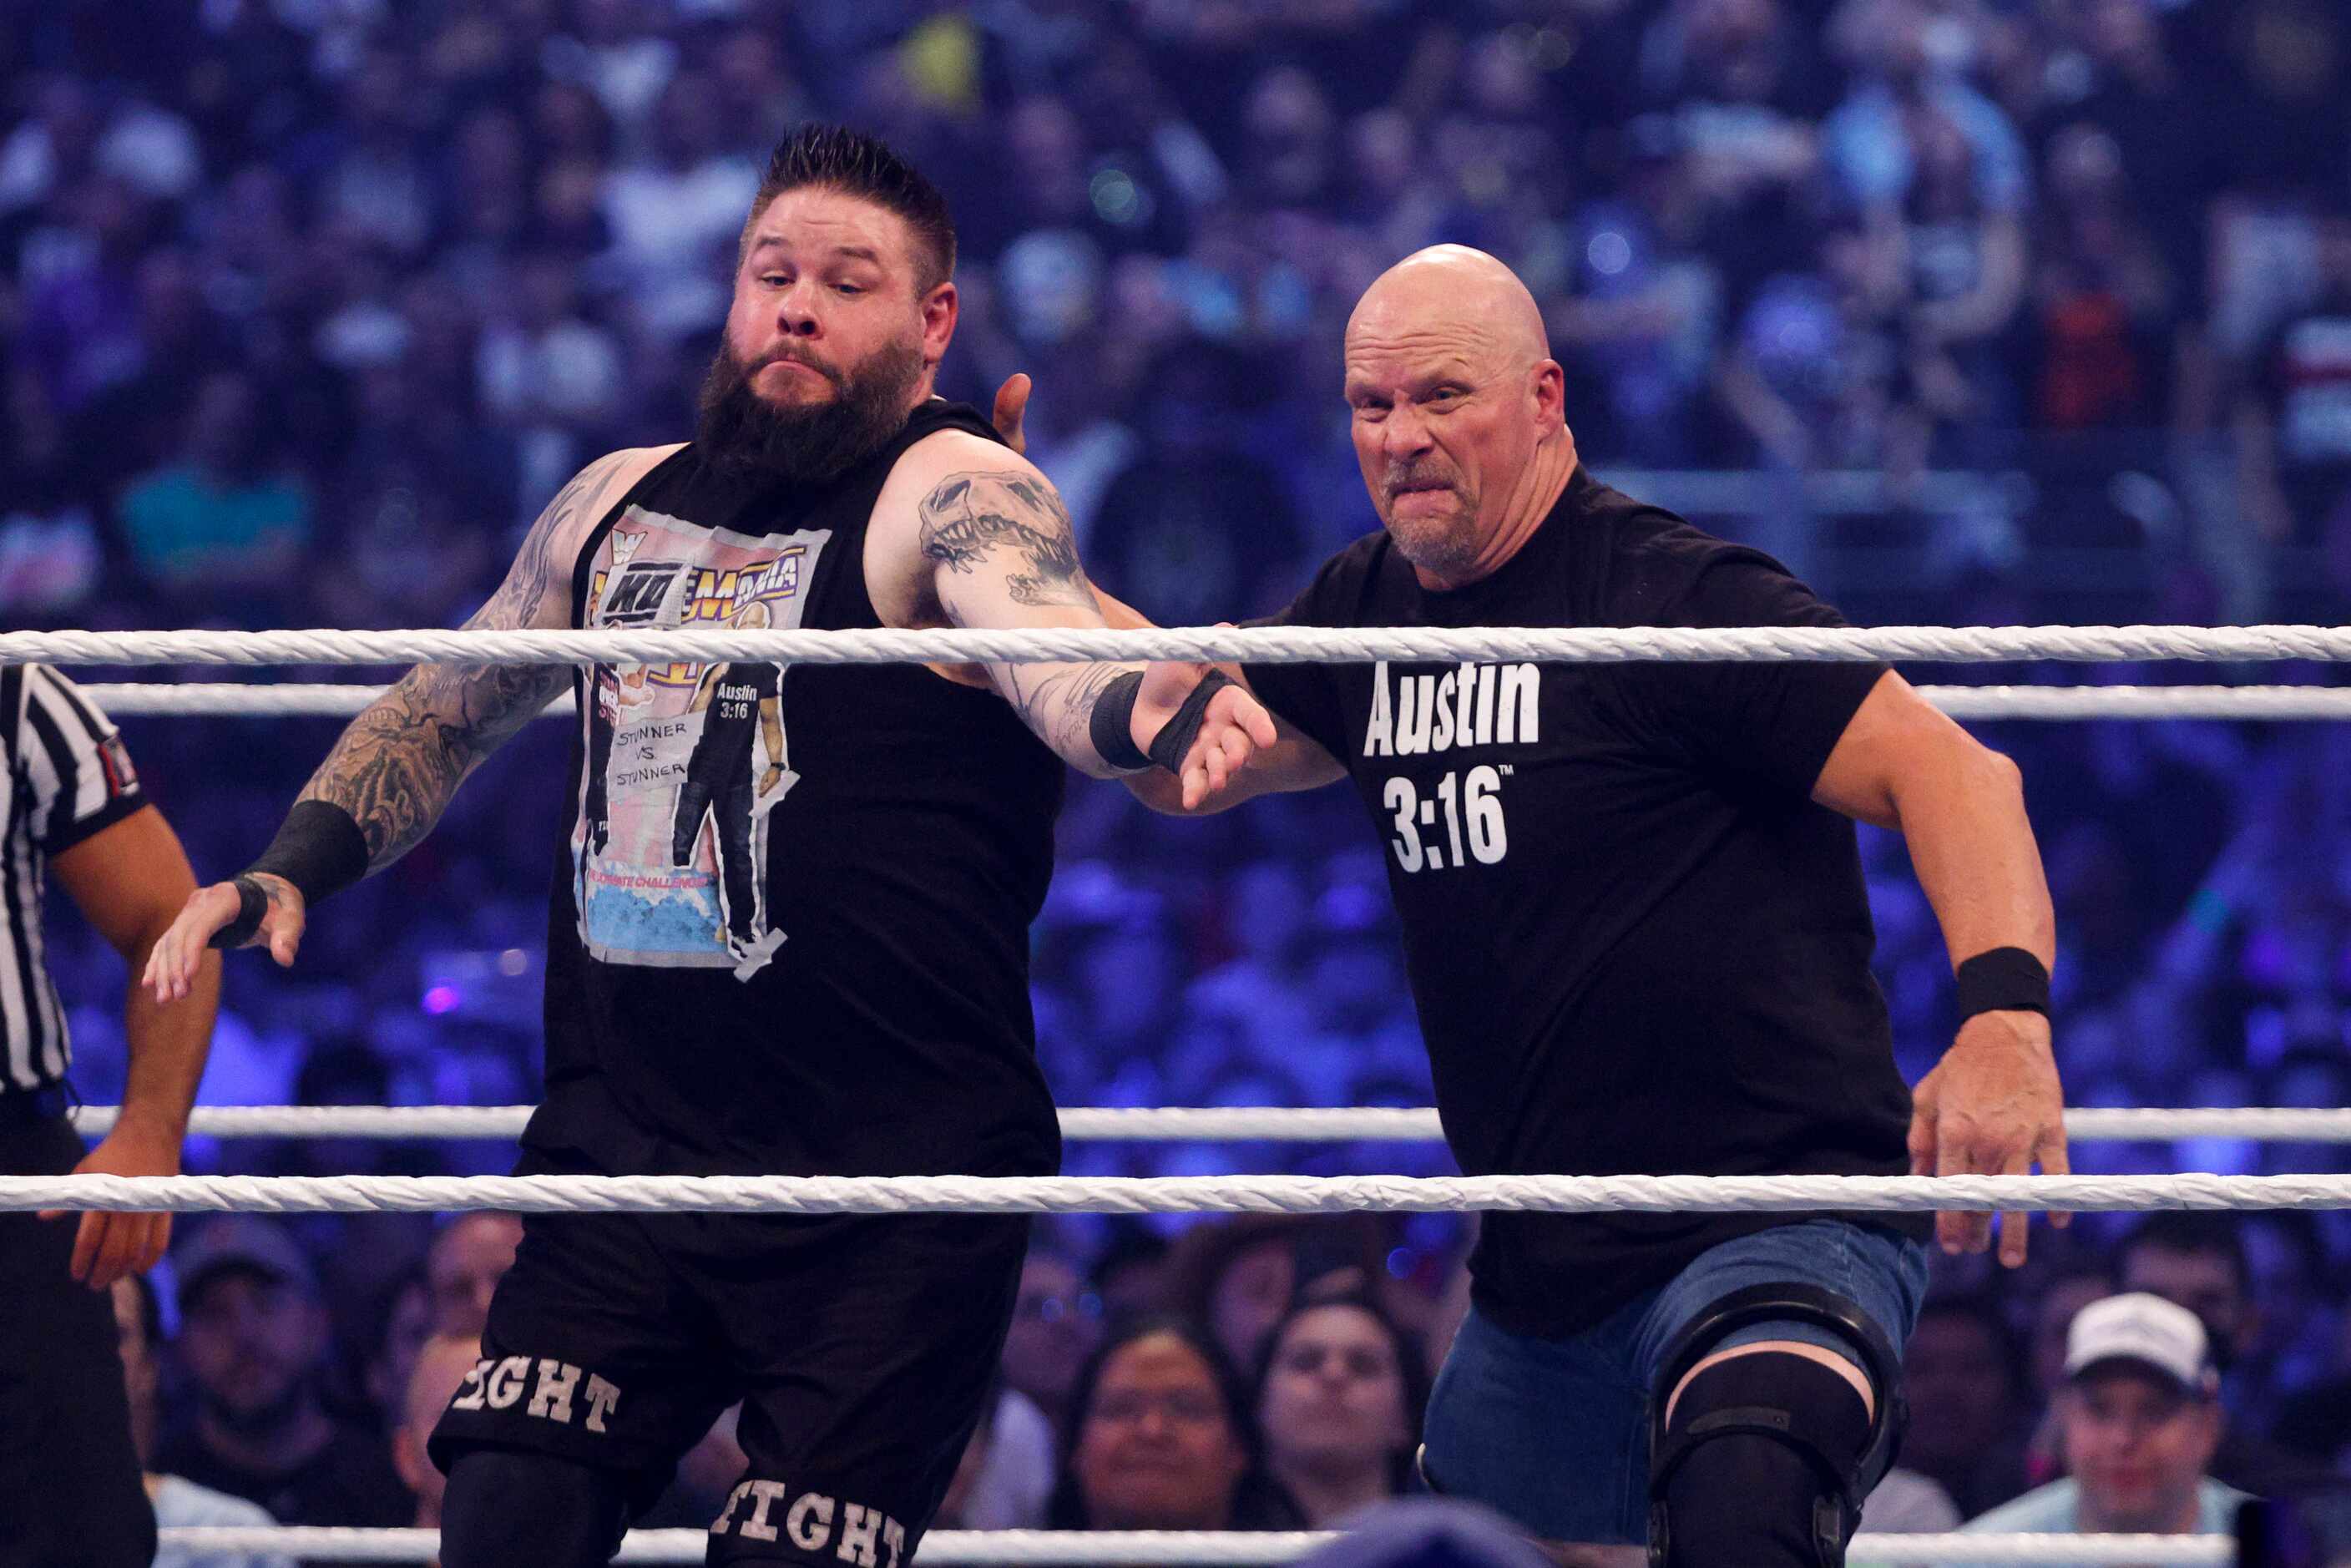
[[168, 1045], [396, 766], [1057, 702], [1972, 846]]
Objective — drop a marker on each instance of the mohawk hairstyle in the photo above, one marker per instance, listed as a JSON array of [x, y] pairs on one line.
[[836, 158]]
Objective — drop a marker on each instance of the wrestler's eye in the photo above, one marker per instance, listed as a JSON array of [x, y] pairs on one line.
[[849, 288]]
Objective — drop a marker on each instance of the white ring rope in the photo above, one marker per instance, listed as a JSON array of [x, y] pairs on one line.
[[1169, 1195], [340, 699], [1169, 1548], [1178, 1124], [1263, 644]]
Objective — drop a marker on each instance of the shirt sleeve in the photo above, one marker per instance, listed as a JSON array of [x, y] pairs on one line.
[[72, 763], [1304, 697], [1770, 724]]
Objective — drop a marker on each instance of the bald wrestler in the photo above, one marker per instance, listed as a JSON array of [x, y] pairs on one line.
[[1638, 936], [790, 932]]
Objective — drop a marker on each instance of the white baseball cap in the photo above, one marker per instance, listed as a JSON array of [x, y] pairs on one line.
[[2146, 1329]]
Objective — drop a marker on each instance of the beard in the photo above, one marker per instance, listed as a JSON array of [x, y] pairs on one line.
[[1444, 545], [258, 1418], [806, 444]]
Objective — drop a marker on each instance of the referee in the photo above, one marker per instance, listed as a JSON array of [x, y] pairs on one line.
[[71, 1492]]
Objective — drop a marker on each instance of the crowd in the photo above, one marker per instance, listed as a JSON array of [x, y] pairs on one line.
[[1270, 1374], [312, 303]]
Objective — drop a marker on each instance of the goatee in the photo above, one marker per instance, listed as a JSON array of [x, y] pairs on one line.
[[806, 444]]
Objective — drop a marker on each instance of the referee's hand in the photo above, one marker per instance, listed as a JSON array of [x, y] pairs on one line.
[[172, 965], [1991, 1107], [108, 1245]]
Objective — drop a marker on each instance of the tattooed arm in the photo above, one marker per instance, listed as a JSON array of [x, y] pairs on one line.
[[968, 533], [399, 762]]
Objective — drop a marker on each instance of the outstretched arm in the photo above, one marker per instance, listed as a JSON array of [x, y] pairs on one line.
[[396, 766], [984, 540], [1294, 762]]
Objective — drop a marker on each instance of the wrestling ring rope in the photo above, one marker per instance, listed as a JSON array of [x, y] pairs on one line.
[[342, 699], [1210, 1548], [1277, 1194], [1185, 1123]]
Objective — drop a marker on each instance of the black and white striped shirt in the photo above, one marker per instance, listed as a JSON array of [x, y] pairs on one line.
[[68, 775]]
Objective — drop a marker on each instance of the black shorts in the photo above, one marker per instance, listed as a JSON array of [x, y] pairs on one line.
[[863, 1348], [70, 1494]]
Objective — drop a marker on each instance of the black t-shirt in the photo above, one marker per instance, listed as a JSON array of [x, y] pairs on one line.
[[349, 1481], [1635, 942]]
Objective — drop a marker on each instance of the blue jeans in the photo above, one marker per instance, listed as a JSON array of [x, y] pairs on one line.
[[1555, 1432]]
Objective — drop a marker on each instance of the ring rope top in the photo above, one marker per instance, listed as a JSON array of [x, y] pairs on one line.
[[1301, 1124], [1166, 1549], [1169, 1195], [1262, 645], [293, 699]]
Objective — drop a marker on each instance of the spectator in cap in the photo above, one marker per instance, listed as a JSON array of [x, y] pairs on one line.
[[139, 1328], [2139, 1418], [254, 1337], [2199, 1262]]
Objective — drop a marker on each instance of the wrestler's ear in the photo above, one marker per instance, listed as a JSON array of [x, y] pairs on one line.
[[939, 309]]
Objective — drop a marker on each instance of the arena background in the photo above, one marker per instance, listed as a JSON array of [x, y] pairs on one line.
[[1975, 311]]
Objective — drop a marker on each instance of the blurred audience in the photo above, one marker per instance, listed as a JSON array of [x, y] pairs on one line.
[[1340, 1402], [2138, 1418], [2199, 1262], [442, 1368], [1967, 1380], [1160, 1439], [139, 1324], [254, 1337], [467, 1259]]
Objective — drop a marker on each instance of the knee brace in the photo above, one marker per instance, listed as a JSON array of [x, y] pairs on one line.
[[1766, 1457], [509, 1508]]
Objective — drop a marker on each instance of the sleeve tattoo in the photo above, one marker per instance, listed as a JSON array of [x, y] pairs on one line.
[[1011, 525], [396, 766], [969, 518]]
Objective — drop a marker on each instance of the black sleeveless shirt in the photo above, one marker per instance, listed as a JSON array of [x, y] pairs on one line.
[[789, 932]]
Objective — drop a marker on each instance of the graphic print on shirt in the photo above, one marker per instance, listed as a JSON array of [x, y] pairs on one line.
[[685, 762], [1475, 705]]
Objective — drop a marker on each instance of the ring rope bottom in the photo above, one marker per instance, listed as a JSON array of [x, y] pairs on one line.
[[1170, 1195], [1168, 1548], [1314, 1124]]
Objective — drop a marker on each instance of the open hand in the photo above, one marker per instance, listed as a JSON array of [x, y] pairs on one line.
[[110, 1245], [1235, 727], [1991, 1107], [172, 965]]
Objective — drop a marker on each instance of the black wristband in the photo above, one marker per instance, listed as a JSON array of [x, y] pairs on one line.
[[318, 848], [1173, 742], [1111, 727], [252, 904], [2003, 979]]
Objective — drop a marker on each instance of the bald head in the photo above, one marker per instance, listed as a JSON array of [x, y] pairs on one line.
[[1452, 291], [1459, 418]]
